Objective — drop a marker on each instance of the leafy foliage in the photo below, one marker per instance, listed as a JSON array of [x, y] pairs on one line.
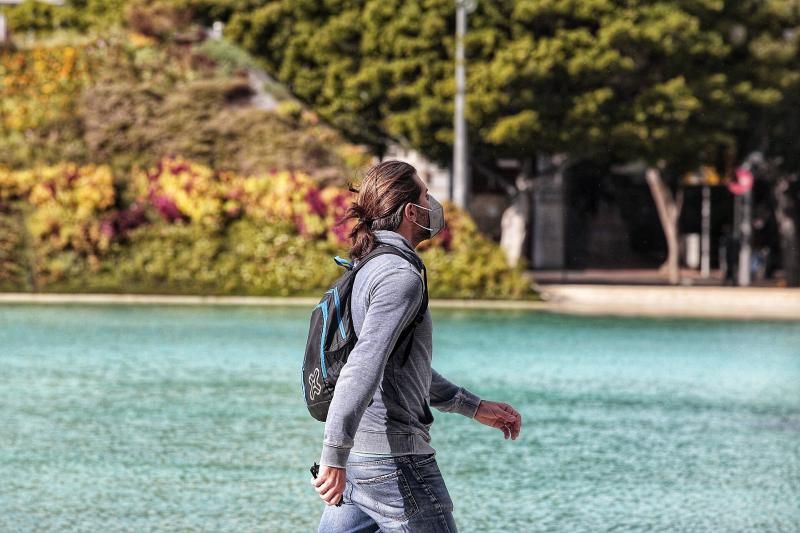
[[190, 229], [200, 191], [63, 207], [668, 79], [31, 15], [13, 267], [128, 100], [98, 15], [40, 86], [596, 79]]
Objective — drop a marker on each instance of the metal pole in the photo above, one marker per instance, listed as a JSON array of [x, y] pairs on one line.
[[460, 170], [705, 258]]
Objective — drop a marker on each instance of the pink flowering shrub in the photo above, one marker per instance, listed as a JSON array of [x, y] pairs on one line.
[[179, 190]]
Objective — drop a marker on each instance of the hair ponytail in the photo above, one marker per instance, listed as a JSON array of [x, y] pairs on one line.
[[386, 188], [362, 236]]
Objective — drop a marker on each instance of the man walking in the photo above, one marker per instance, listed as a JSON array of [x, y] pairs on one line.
[[376, 460]]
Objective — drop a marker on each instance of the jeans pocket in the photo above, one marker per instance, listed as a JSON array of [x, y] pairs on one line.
[[385, 491]]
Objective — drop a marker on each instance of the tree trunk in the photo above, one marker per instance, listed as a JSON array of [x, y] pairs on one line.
[[514, 221], [786, 213], [668, 212], [514, 224]]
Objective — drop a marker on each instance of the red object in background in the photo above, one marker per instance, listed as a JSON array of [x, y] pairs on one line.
[[743, 183]]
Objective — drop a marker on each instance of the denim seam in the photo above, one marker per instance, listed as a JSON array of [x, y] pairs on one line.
[[390, 460], [413, 501], [426, 487], [380, 479], [415, 509], [436, 504], [424, 462]]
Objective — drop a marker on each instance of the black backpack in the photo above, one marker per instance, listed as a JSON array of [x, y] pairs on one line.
[[331, 337]]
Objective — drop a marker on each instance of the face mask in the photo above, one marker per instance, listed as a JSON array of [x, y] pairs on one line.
[[435, 218]]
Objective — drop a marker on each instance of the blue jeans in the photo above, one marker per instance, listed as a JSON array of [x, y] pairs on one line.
[[405, 493]]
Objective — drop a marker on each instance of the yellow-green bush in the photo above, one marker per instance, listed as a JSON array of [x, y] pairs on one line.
[[248, 258], [40, 85], [64, 208], [64, 202]]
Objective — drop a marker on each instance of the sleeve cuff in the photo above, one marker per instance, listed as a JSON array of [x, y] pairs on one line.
[[467, 403], [333, 456]]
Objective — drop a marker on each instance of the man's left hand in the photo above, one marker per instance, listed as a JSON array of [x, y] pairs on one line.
[[501, 416], [330, 484]]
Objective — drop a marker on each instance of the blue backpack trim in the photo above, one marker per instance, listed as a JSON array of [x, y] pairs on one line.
[[324, 310], [343, 262], [335, 293]]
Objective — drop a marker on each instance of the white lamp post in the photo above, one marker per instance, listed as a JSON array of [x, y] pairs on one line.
[[460, 183]]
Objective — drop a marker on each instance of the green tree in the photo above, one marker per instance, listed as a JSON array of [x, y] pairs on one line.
[[581, 76], [73, 14], [666, 81]]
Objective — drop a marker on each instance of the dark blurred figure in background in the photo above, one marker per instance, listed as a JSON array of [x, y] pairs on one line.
[[729, 244]]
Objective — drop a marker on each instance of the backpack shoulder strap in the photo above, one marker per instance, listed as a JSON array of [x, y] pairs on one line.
[[408, 332], [383, 249]]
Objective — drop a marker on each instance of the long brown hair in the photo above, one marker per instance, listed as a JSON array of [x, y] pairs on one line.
[[383, 193]]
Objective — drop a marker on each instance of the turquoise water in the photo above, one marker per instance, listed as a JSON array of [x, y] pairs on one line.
[[136, 418]]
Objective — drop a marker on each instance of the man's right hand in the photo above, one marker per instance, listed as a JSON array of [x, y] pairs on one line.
[[330, 483], [501, 416]]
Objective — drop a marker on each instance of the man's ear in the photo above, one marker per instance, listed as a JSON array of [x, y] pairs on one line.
[[408, 211]]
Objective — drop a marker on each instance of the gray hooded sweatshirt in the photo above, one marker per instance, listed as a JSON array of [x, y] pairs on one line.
[[381, 406]]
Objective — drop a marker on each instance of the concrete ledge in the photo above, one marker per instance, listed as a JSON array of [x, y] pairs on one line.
[[166, 299], [148, 299], [699, 302], [709, 302]]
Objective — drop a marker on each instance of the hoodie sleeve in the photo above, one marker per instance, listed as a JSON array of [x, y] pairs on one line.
[[393, 303], [450, 398]]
